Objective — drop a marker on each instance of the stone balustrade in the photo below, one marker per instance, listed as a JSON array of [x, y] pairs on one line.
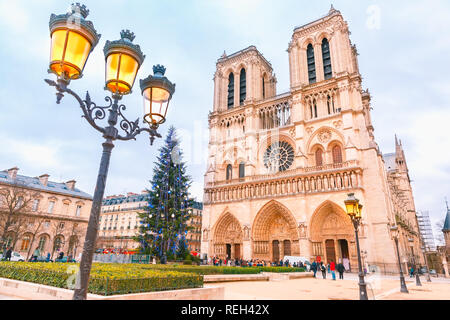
[[327, 178]]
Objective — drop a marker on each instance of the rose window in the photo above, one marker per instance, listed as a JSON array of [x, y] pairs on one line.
[[279, 156]]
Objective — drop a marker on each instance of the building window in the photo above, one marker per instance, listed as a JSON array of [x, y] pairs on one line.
[[231, 91], [35, 205], [78, 211], [25, 243], [330, 105], [51, 205], [326, 57], [61, 225], [243, 87], [311, 64], [319, 158], [242, 170], [42, 242], [229, 172], [263, 88], [337, 154], [66, 208]]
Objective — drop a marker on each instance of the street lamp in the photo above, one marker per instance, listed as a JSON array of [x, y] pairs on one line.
[[354, 211], [395, 235], [411, 244], [72, 40]]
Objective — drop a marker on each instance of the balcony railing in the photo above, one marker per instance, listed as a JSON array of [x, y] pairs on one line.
[[336, 177]]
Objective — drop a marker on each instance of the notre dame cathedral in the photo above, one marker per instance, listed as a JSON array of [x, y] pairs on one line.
[[281, 165]]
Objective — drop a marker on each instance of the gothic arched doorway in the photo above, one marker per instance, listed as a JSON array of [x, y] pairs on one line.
[[274, 233], [228, 238], [332, 235]]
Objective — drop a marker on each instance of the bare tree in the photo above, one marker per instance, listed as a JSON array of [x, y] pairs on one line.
[[76, 232], [35, 226], [15, 204], [438, 234], [57, 227]]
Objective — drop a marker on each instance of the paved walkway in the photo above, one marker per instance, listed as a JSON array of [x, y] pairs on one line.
[[378, 288]]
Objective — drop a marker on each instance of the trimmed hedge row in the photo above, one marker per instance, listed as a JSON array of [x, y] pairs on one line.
[[211, 270], [105, 279]]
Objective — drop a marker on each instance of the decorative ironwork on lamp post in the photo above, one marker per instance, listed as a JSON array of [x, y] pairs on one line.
[[395, 235], [411, 244], [73, 38], [354, 211]]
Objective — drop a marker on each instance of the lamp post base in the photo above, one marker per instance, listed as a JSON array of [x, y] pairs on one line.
[[403, 287], [418, 283]]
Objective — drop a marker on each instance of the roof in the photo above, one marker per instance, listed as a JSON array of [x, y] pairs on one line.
[[447, 221], [34, 183], [126, 199], [389, 161], [197, 205], [330, 13], [250, 48]]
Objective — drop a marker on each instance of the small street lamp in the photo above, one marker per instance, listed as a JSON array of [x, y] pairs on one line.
[[411, 244], [395, 235], [73, 38], [354, 211]]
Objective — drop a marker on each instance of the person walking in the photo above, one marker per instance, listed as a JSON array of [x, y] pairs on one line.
[[314, 268], [333, 269], [411, 272], [340, 268], [324, 270]]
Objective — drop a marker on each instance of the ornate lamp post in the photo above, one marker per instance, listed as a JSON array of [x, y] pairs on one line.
[[72, 40], [411, 244], [395, 235], [354, 210]]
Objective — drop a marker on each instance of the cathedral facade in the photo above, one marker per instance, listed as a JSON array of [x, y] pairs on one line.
[[281, 165]]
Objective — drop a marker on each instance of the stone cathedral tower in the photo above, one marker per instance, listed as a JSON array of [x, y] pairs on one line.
[[281, 165]]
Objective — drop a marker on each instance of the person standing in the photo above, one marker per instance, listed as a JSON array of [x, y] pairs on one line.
[[340, 268], [333, 269], [8, 254], [324, 270], [314, 268], [35, 255]]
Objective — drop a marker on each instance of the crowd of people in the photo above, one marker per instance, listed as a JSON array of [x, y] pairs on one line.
[[316, 266], [216, 261]]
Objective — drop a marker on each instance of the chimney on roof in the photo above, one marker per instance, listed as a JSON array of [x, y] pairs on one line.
[[144, 192], [44, 179], [129, 194], [12, 173], [71, 184]]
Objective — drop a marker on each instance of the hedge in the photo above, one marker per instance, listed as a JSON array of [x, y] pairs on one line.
[[105, 279], [211, 270]]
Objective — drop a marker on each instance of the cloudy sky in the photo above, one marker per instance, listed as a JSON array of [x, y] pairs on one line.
[[404, 49]]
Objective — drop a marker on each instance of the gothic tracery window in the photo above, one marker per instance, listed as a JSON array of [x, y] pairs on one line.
[[231, 91], [229, 172], [241, 170], [319, 157], [243, 87], [279, 156], [337, 154], [311, 64], [326, 57]]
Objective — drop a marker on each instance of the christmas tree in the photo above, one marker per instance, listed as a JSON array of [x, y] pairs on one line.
[[164, 227]]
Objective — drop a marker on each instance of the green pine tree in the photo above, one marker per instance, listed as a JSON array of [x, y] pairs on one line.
[[164, 222]]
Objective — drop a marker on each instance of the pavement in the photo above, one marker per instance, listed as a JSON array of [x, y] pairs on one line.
[[379, 287]]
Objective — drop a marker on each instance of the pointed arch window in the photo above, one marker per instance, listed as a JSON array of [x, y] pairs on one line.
[[315, 108], [311, 64], [263, 88], [337, 154], [229, 172], [242, 170], [243, 86], [231, 91], [319, 157], [326, 57], [329, 102]]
